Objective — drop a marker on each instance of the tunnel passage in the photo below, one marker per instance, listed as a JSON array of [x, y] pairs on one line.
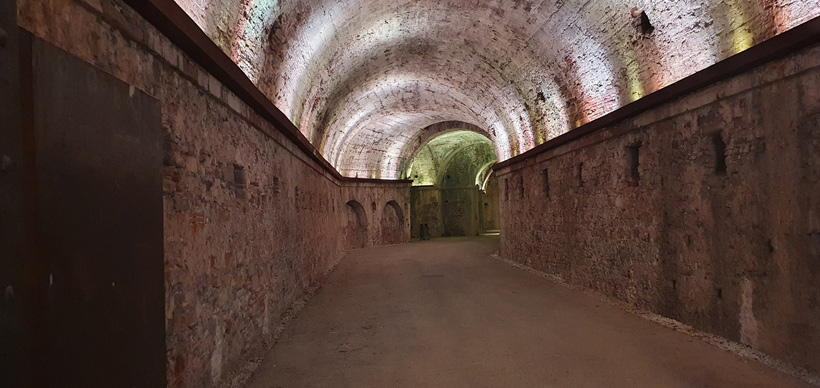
[[392, 224], [450, 175], [355, 228], [361, 81]]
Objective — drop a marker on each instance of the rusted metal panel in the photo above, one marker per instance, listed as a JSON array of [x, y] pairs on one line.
[[98, 159], [11, 200]]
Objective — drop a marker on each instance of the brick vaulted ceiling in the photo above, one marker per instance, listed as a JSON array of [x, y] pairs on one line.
[[365, 79]]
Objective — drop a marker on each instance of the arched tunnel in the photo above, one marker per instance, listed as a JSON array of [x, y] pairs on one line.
[[352, 193]]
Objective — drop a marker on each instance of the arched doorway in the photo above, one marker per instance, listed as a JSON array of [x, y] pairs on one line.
[[392, 224], [449, 174], [355, 232]]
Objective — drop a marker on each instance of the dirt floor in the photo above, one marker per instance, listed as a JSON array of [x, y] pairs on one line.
[[443, 313]]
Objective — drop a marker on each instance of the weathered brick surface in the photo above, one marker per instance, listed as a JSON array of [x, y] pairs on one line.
[[250, 221], [446, 195], [387, 223], [736, 253], [362, 78]]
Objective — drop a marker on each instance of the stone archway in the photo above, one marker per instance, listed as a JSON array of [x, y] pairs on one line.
[[355, 228], [392, 224], [490, 216]]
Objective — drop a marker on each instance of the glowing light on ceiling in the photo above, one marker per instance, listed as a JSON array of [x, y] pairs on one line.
[[397, 88], [742, 37], [597, 79], [247, 49], [378, 35], [791, 13], [310, 41], [635, 84], [390, 161], [196, 11], [431, 159], [681, 55], [380, 101]]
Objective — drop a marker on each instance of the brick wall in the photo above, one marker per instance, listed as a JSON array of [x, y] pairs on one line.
[[525, 71], [250, 221], [704, 210]]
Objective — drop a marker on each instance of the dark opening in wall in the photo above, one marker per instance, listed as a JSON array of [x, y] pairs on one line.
[[719, 147], [276, 26], [633, 162], [545, 179], [580, 175], [641, 21], [520, 186], [506, 189], [239, 180], [276, 186]]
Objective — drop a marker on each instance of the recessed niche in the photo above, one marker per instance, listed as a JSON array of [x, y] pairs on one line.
[[276, 186], [719, 149], [641, 22], [506, 189], [545, 182], [633, 163], [580, 174], [239, 179]]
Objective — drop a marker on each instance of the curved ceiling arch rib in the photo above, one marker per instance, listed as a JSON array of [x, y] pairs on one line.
[[433, 158], [362, 79], [436, 130], [407, 61], [410, 93]]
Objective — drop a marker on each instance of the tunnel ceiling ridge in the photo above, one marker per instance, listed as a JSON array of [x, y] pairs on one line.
[[364, 80]]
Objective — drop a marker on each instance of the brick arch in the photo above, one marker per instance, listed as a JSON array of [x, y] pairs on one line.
[[355, 227], [392, 224]]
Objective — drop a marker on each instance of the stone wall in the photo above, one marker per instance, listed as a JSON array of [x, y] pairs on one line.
[[452, 206], [250, 220], [704, 210], [425, 205], [460, 211], [448, 212], [386, 208]]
